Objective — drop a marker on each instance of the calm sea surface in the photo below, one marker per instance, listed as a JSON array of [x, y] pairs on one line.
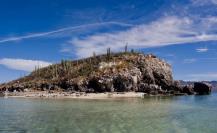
[[184, 114]]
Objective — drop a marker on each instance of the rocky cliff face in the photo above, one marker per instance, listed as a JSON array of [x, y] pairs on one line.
[[119, 72]]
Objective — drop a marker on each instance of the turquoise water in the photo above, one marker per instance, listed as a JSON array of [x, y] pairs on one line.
[[184, 114]]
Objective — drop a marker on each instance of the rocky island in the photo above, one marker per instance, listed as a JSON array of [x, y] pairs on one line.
[[129, 74]]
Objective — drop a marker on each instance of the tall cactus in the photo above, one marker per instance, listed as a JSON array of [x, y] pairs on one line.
[[125, 49], [94, 55], [108, 53], [37, 71], [55, 71]]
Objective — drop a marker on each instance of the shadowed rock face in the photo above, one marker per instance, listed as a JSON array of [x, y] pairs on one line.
[[157, 72], [100, 85], [188, 90], [202, 88], [119, 72]]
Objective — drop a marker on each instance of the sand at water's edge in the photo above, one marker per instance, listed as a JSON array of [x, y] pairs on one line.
[[107, 95]]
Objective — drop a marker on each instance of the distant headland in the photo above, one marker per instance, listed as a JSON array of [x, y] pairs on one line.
[[123, 74]]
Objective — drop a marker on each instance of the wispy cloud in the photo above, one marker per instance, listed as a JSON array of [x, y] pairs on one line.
[[170, 55], [202, 50], [204, 60], [203, 76], [204, 2], [22, 64], [35, 35], [163, 32], [201, 60], [189, 61]]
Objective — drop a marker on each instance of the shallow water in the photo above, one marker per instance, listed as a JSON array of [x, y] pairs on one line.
[[183, 114]]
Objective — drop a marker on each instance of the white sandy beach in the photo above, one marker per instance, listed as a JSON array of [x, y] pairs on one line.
[[78, 95]]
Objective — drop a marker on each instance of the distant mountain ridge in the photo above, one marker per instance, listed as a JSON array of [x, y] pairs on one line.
[[212, 83]]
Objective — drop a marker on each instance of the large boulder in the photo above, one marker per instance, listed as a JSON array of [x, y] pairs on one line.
[[202, 88]]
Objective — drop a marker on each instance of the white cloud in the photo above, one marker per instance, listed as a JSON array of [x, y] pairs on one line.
[[204, 2], [35, 35], [170, 55], [24, 65], [203, 76], [201, 60], [202, 50], [163, 32], [214, 1]]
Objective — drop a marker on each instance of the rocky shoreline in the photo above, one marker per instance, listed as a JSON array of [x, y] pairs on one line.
[[186, 90]]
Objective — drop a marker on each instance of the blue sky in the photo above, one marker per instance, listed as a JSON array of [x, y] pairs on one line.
[[42, 32]]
